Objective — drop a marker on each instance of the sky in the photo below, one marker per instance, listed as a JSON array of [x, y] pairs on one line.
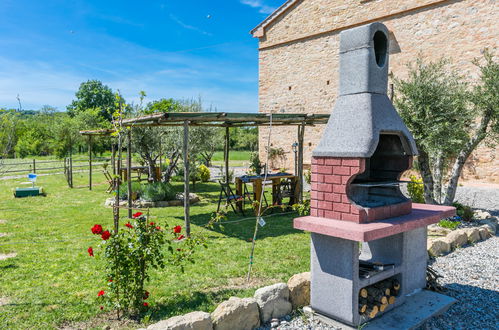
[[167, 48]]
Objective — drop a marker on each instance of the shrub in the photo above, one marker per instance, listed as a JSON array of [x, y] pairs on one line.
[[129, 256], [302, 208], [136, 187], [158, 191], [204, 173], [463, 211], [308, 176], [448, 223], [416, 189]]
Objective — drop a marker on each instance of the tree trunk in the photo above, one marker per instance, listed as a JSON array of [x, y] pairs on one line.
[[463, 155], [424, 167], [438, 177]]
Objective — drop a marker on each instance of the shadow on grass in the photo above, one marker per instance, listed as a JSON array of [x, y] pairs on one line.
[[188, 302]]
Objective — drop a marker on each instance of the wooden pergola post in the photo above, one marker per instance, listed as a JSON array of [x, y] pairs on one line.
[[186, 179], [113, 157], [226, 154], [90, 162], [301, 134], [129, 172]]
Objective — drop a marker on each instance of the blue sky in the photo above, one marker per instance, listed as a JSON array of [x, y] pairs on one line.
[[168, 48]]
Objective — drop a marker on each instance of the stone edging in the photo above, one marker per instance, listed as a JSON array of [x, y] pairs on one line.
[[268, 304], [460, 237]]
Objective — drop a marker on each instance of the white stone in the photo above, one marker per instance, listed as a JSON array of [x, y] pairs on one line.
[[473, 234], [190, 321], [299, 289], [273, 301], [436, 230], [490, 228], [484, 233], [491, 223], [439, 247], [479, 214], [456, 238], [236, 313]]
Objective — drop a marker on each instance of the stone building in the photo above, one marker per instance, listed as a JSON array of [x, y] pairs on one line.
[[298, 55]]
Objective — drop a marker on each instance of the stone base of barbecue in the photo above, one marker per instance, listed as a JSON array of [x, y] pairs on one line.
[[335, 255], [417, 309]]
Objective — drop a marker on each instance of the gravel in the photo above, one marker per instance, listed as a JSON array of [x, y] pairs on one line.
[[471, 275]]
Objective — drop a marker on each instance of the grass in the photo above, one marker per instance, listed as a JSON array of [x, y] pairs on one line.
[[52, 281], [444, 223], [236, 158]]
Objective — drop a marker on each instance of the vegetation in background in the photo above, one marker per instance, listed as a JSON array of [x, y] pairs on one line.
[[255, 164], [415, 189], [449, 118], [204, 173], [93, 95], [276, 156]]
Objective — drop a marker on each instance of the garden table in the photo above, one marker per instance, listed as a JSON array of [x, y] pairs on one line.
[[257, 182], [137, 169]]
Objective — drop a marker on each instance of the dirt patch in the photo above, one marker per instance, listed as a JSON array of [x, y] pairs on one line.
[[103, 321], [3, 234], [7, 256], [4, 301], [3, 221]]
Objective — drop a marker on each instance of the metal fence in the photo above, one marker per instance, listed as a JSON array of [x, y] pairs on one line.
[[13, 166]]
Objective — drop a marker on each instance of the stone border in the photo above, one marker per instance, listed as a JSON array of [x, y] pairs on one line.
[[453, 239], [179, 201], [268, 304]]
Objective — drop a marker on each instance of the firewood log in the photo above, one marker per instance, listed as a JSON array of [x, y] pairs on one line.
[[363, 293], [372, 311], [391, 300], [376, 294], [362, 308], [383, 307], [395, 284]]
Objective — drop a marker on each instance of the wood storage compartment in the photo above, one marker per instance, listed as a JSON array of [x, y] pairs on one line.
[[378, 297]]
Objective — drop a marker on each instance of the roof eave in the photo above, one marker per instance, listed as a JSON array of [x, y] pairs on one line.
[[259, 30]]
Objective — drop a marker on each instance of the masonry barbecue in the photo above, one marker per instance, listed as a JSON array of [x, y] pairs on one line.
[[356, 197]]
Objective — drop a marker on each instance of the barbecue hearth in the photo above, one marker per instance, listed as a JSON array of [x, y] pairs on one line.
[[356, 197]]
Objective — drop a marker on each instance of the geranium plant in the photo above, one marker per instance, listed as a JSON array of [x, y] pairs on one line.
[[130, 254]]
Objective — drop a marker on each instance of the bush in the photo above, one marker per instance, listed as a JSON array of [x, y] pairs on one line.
[[136, 187], [450, 224], [308, 176], [158, 191], [416, 189], [465, 212], [204, 173]]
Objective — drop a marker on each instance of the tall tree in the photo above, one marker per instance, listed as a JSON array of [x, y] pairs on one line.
[[94, 95], [448, 119]]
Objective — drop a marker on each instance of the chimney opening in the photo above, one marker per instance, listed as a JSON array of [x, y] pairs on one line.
[[380, 48]]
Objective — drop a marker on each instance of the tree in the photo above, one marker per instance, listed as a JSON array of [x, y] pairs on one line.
[[448, 118], [93, 94]]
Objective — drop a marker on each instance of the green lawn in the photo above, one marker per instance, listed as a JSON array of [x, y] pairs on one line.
[[236, 158], [52, 281]]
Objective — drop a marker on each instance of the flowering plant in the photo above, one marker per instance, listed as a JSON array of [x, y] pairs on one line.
[[131, 253]]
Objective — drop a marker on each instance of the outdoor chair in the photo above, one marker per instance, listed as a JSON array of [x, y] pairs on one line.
[[109, 180], [286, 189], [230, 198]]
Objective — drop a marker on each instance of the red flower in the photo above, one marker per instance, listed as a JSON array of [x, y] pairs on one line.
[[177, 229], [102, 307], [158, 228], [105, 235], [129, 225], [151, 223], [146, 304], [101, 293], [181, 237], [110, 280], [146, 295], [138, 214], [97, 229], [90, 251]]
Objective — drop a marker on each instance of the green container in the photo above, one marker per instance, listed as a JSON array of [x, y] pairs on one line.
[[26, 192]]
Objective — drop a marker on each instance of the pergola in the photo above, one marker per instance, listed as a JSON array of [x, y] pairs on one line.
[[218, 119]]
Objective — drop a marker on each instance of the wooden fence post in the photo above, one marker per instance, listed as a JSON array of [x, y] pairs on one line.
[[129, 171], [186, 180], [90, 162], [34, 165]]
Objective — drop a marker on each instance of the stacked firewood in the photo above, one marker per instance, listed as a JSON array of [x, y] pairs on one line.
[[376, 298]]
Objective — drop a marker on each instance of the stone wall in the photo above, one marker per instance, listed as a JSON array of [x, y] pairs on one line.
[[299, 74]]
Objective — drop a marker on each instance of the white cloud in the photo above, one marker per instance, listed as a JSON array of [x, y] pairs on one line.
[[260, 5]]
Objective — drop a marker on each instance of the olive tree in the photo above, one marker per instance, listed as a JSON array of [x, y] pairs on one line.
[[449, 117]]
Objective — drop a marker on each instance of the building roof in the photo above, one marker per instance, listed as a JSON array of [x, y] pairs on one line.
[[258, 31]]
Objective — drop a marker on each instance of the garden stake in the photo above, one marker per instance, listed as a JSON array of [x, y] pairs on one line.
[[258, 214]]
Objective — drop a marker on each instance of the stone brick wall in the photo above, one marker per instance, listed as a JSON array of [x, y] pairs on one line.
[[299, 73]]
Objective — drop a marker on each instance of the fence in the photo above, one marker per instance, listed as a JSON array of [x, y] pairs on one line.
[[46, 166]]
